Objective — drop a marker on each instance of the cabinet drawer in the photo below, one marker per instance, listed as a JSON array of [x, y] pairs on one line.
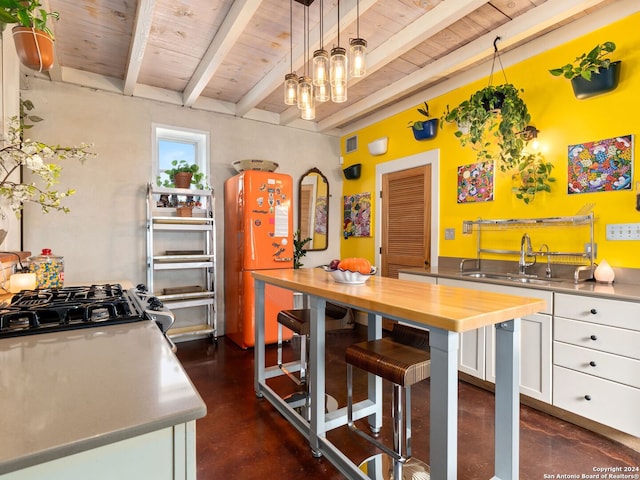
[[604, 365], [598, 337], [611, 403], [616, 313]]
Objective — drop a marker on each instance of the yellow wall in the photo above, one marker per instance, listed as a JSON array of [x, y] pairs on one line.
[[562, 120]]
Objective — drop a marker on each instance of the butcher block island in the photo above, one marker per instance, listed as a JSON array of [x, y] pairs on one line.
[[446, 312], [110, 401]]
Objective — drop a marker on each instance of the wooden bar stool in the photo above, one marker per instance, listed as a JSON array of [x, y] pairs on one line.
[[298, 321], [403, 359]]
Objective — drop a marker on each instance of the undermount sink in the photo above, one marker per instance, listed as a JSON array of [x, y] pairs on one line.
[[510, 277]]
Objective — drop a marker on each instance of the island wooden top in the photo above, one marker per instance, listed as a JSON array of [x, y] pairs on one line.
[[450, 308]]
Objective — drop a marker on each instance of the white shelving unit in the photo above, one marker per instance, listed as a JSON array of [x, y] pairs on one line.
[[181, 262]]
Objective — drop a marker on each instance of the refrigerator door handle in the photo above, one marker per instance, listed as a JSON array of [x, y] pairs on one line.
[[284, 259]]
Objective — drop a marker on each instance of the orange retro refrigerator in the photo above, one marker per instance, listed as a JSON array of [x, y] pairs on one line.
[[258, 224]]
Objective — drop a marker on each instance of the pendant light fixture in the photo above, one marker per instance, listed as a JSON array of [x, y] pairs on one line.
[[291, 79], [306, 98], [338, 69], [358, 49], [321, 65]]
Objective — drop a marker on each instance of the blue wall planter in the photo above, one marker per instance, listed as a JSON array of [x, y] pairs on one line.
[[429, 130], [602, 82]]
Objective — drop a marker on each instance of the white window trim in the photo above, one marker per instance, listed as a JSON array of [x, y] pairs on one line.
[[180, 134]]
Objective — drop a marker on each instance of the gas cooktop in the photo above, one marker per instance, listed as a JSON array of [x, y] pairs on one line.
[[48, 310]]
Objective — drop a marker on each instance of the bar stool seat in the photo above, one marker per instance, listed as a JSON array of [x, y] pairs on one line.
[[402, 359]]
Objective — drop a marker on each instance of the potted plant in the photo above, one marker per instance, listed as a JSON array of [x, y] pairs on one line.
[[592, 73], [298, 249], [533, 176], [183, 175], [424, 129], [495, 119], [33, 38]]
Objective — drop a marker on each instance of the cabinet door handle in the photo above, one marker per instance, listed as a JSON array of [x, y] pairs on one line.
[[593, 311], [593, 337], [592, 363], [587, 398]]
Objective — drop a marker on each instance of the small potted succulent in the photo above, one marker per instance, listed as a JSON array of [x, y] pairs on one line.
[[591, 73], [424, 129], [183, 175], [33, 38]]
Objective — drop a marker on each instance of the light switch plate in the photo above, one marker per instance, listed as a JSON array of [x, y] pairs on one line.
[[623, 231], [449, 233]]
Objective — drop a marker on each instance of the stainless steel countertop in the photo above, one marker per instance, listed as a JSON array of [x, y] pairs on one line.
[[616, 291], [66, 392]]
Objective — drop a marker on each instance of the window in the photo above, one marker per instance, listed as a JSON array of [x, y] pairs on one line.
[[175, 143]]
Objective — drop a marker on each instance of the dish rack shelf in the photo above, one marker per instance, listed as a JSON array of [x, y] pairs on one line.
[[583, 260]]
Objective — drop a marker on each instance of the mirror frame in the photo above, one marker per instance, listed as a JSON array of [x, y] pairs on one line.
[[320, 175]]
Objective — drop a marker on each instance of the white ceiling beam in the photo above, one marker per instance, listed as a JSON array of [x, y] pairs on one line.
[[521, 28], [234, 24], [139, 41], [272, 80], [427, 25]]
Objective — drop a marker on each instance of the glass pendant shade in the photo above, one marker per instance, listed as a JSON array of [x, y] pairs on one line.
[[322, 92], [306, 98], [358, 52], [339, 92], [338, 66], [290, 89], [309, 113], [320, 67]]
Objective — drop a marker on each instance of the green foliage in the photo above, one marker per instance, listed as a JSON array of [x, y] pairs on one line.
[[198, 178], [25, 107], [419, 125], [298, 249], [588, 63], [496, 117], [27, 13], [534, 175]]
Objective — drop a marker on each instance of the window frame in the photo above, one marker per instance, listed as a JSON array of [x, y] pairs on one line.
[[171, 133]]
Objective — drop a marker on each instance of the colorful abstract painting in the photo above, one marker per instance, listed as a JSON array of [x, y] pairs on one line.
[[601, 166], [357, 215], [475, 182]]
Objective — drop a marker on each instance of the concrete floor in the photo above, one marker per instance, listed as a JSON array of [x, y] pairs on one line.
[[243, 437]]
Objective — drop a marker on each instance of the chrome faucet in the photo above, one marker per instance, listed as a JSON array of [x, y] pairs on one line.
[[547, 271], [525, 250]]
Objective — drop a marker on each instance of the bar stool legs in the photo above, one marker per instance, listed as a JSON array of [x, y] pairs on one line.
[[403, 360]]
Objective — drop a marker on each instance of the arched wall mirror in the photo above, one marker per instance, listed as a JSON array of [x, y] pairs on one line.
[[313, 209]]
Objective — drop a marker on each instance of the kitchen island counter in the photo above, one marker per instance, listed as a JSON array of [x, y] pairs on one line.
[[75, 391]]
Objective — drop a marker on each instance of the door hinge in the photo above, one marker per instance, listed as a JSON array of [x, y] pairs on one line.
[[380, 194]]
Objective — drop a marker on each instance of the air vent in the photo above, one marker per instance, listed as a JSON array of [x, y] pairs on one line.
[[351, 144]]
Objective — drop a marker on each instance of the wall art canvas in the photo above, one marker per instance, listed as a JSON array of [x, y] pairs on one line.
[[601, 166], [357, 215], [475, 182]]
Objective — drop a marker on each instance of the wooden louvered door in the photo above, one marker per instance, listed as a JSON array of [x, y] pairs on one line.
[[406, 220]]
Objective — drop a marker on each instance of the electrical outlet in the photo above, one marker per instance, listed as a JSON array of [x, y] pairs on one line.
[[623, 231], [449, 233]]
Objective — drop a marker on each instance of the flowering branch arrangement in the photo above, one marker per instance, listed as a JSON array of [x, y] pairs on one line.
[[38, 159]]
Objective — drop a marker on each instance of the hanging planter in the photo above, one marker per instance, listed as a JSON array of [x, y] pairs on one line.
[[33, 38], [424, 129], [493, 122], [604, 81], [592, 73], [34, 48]]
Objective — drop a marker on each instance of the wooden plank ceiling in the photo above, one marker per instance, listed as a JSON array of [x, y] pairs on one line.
[[231, 56]]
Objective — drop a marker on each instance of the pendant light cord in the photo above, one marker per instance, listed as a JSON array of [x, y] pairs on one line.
[[291, 33], [321, 25], [338, 22], [357, 18]]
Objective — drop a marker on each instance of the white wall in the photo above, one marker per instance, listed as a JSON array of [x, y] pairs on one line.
[[103, 237]]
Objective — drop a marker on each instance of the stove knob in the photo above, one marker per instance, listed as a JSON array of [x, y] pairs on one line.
[[141, 287], [155, 303]]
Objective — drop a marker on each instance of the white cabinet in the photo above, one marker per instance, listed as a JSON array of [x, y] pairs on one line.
[[477, 347], [167, 454], [418, 278], [181, 258], [597, 361]]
